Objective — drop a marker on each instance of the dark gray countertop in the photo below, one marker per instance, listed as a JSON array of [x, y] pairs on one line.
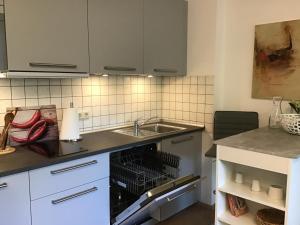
[[265, 140], [24, 159]]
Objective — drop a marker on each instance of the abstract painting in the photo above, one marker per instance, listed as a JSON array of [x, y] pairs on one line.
[[276, 70]]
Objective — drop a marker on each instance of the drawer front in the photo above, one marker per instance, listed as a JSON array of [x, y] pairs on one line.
[[60, 177], [87, 204], [15, 200]]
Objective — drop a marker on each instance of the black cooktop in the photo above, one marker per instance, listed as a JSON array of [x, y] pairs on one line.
[[56, 148]]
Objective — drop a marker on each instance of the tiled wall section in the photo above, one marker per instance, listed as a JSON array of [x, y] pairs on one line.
[[188, 100], [115, 100], [110, 101]]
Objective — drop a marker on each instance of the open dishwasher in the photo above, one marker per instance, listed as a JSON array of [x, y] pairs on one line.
[[142, 180]]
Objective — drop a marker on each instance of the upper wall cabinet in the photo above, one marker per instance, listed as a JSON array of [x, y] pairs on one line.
[[165, 37], [116, 36], [47, 35]]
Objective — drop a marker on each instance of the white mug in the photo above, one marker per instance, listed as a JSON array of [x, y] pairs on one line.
[[239, 178], [275, 193], [255, 185]]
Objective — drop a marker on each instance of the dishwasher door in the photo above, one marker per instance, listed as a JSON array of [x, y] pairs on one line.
[[148, 203]]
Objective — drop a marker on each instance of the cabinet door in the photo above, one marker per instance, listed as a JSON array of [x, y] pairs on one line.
[[47, 35], [116, 36], [165, 37], [15, 200], [188, 148], [87, 204]]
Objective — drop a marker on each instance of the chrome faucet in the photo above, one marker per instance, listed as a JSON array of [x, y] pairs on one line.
[[139, 122]]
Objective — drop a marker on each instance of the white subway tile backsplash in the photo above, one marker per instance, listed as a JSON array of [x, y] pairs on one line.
[[4, 83], [31, 102], [45, 82], [55, 82], [4, 104], [17, 82], [31, 82], [55, 91], [116, 100], [66, 91], [43, 92], [31, 92], [5, 93], [16, 92]]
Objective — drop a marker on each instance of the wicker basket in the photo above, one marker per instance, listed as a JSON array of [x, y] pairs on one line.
[[270, 217], [291, 123]]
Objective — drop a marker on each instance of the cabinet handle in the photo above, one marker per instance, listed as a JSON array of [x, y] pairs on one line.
[[63, 170], [4, 185], [174, 142], [119, 68], [54, 65], [177, 196], [67, 198], [157, 70]]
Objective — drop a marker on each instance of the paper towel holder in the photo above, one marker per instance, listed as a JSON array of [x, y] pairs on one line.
[[65, 135]]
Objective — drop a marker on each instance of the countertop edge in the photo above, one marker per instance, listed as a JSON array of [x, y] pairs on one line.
[[63, 159]]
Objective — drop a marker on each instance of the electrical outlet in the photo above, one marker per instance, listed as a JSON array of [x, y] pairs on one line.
[[84, 115]]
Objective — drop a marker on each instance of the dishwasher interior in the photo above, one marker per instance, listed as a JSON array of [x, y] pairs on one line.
[[140, 178]]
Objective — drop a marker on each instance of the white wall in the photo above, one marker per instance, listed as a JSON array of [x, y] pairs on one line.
[[235, 44], [201, 37]]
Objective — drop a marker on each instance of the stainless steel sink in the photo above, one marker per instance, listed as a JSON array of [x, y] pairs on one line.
[[130, 132], [149, 130], [161, 128]]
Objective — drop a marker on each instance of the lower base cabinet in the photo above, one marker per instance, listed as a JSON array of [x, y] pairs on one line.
[[15, 200], [84, 205]]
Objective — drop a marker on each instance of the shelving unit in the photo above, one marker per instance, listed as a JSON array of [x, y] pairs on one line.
[[247, 219], [269, 170], [244, 191]]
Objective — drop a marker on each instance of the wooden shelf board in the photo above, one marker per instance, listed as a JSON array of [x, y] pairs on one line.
[[244, 191], [246, 219]]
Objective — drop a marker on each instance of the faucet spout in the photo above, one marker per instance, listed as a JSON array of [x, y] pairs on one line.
[[138, 123]]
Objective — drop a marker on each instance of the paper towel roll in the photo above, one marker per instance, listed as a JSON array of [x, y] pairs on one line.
[[70, 125]]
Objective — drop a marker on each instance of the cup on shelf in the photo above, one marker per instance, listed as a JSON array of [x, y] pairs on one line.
[[255, 185], [239, 178], [275, 193]]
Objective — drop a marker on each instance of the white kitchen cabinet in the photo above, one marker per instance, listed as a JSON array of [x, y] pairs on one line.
[[15, 200], [188, 148], [270, 170], [85, 205], [47, 35], [52, 179]]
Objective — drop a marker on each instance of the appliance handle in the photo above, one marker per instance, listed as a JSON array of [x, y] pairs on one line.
[[55, 65], [76, 195], [4, 185], [170, 199], [178, 141], [119, 68], [162, 70], [63, 170]]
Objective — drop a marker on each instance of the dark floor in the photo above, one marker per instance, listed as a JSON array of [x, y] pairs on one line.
[[197, 214]]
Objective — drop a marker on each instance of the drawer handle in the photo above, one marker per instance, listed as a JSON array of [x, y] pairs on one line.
[[177, 196], [119, 68], [73, 167], [67, 198], [157, 70], [178, 141], [55, 65], [4, 185]]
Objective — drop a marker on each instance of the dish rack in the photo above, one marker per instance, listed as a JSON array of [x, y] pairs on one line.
[[139, 171]]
